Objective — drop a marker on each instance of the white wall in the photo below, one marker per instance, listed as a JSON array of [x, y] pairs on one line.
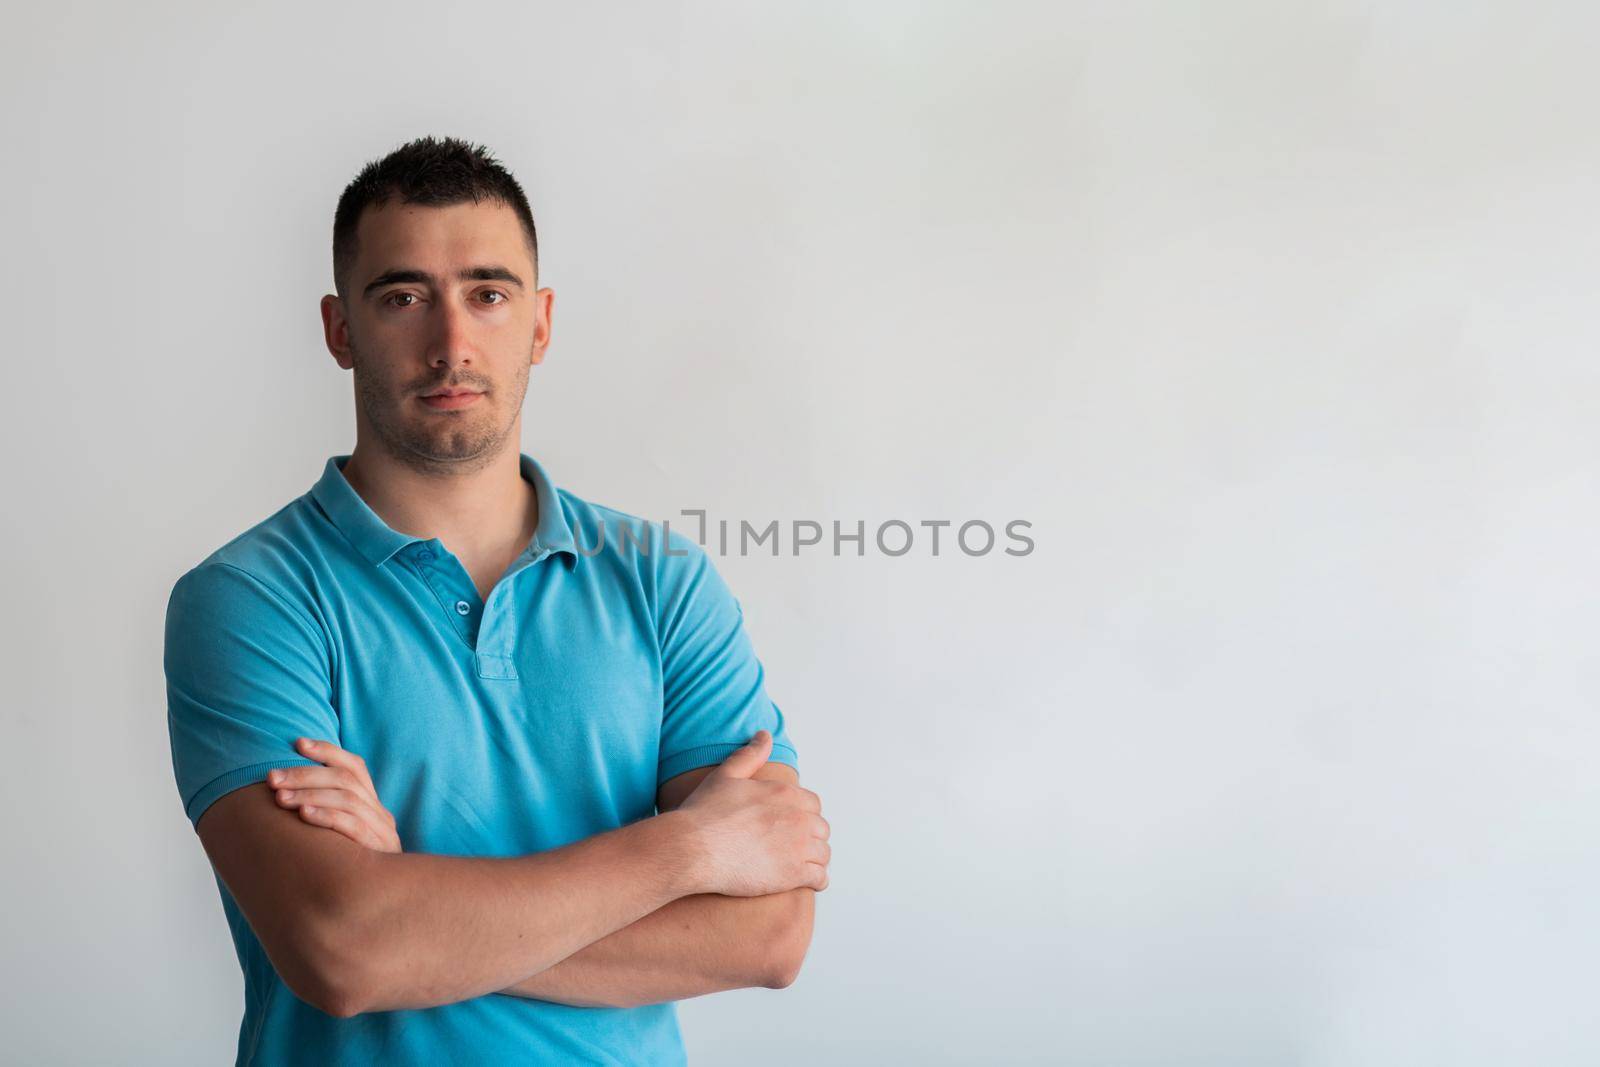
[[1274, 319]]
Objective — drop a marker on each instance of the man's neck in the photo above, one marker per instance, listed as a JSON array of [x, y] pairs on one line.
[[485, 516]]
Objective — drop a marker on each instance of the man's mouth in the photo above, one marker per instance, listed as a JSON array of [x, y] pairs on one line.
[[450, 399]]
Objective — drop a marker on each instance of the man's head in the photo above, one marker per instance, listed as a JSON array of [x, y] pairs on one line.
[[435, 262]]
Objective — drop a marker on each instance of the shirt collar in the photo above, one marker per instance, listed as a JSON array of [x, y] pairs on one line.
[[553, 534], [377, 540]]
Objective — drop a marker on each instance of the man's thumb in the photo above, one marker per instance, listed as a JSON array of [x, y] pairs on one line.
[[749, 759]]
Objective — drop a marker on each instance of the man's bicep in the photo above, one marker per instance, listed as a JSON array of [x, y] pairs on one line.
[[675, 790], [283, 873]]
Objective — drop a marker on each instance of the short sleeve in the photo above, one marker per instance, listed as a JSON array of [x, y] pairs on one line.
[[714, 694], [247, 673]]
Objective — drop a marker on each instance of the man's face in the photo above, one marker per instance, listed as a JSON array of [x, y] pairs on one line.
[[440, 298]]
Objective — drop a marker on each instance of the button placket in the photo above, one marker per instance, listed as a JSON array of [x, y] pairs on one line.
[[461, 609], [449, 582], [496, 630]]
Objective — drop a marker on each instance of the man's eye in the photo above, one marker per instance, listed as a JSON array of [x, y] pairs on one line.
[[392, 296], [496, 292]]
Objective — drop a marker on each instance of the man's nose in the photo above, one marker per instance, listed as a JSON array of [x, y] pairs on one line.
[[452, 341]]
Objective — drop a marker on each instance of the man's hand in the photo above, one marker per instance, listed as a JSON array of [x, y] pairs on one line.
[[758, 836], [338, 795]]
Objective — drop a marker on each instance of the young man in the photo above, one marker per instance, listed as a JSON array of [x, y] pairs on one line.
[[437, 625]]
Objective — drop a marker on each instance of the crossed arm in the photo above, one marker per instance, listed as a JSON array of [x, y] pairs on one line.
[[704, 943], [696, 944]]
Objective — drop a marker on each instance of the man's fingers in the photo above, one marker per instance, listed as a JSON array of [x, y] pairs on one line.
[[747, 760], [320, 778], [331, 754], [348, 825], [820, 876], [345, 811], [340, 799]]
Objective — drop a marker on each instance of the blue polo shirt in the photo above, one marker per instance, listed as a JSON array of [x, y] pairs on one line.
[[600, 665]]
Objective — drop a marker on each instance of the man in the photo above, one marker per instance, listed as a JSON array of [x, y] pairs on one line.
[[567, 728]]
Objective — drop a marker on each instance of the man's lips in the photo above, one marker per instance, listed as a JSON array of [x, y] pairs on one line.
[[451, 400]]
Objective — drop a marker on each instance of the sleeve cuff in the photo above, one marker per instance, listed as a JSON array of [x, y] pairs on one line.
[[705, 755], [227, 783]]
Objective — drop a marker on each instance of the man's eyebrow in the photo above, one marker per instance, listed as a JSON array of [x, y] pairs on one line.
[[398, 275]]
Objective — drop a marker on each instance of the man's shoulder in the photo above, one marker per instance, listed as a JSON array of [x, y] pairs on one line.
[[277, 553]]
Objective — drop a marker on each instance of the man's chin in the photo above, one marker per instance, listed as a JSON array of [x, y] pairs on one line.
[[451, 445]]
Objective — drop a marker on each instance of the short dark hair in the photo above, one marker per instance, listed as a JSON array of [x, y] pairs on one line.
[[426, 171]]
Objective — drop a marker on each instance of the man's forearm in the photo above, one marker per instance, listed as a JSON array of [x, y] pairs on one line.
[[699, 944], [414, 930]]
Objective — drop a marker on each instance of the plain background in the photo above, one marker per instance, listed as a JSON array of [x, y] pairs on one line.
[[1274, 319]]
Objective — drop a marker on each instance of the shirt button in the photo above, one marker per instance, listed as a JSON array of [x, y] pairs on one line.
[[463, 608], [424, 555]]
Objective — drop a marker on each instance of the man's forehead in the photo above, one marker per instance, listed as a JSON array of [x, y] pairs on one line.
[[439, 233]]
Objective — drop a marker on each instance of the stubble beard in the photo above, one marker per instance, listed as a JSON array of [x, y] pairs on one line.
[[434, 442]]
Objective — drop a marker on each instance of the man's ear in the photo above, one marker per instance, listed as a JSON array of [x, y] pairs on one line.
[[336, 330], [544, 309]]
